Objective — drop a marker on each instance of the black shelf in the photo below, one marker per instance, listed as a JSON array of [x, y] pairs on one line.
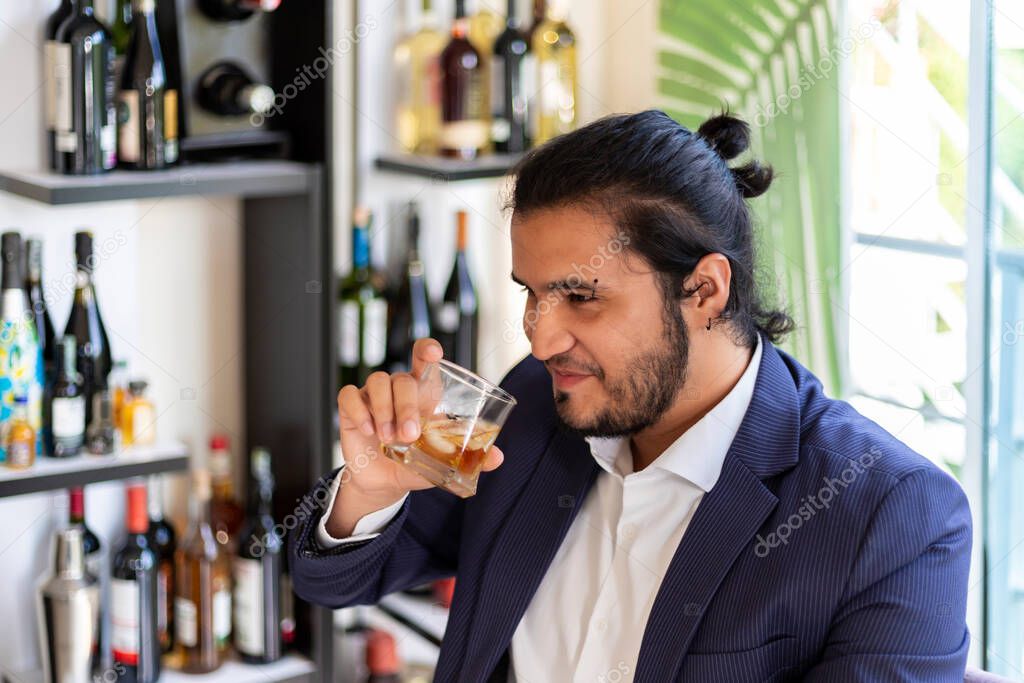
[[262, 178], [442, 169], [48, 474]]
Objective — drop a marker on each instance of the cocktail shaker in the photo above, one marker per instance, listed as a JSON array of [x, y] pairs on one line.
[[69, 611]]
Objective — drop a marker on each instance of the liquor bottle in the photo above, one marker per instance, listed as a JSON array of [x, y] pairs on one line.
[[121, 34], [226, 514], [457, 317], [484, 27], [554, 46], [409, 314], [139, 417], [512, 69], [21, 361], [227, 89], [382, 660], [363, 311], [416, 64], [86, 115], [50, 77], [236, 10], [133, 595], [464, 108], [66, 405], [119, 393], [85, 324], [202, 599], [163, 541], [69, 614], [148, 107], [37, 304], [257, 571], [20, 438], [540, 12], [100, 436], [91, 545]]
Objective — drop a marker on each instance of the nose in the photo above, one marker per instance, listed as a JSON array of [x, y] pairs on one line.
[[546, 330]]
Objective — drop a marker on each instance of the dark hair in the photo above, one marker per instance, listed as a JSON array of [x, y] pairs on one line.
[[673, 194]]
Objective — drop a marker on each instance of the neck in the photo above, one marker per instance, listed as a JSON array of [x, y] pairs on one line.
[[714, 366]]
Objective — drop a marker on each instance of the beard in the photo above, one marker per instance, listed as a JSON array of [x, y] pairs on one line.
[[645, 391]]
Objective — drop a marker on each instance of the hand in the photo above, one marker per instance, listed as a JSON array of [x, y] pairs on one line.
[[386, 410]]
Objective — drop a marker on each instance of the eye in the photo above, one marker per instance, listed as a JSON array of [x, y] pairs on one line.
[[575, 298]]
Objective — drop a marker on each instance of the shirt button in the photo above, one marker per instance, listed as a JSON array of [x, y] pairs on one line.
[[601, 624]]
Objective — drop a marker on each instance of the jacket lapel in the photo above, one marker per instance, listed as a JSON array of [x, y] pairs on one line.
[[524, 548], [726, 520]]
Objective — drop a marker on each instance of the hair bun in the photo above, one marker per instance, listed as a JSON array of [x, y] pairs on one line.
[[727, 135], [753, 178]]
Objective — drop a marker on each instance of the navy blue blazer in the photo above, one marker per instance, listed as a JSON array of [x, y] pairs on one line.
[[828, 551]]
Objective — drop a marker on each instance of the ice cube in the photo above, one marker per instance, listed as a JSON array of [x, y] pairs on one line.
[[435, 441]]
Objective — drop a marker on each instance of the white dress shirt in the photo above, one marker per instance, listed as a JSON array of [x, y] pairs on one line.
[[586, 621]]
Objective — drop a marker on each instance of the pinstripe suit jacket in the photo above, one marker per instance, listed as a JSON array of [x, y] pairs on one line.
[[828, 551]]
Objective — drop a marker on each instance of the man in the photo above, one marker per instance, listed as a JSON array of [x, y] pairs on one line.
[[679, 501]]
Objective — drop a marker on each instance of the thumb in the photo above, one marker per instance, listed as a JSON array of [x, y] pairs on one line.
[[493, 459]]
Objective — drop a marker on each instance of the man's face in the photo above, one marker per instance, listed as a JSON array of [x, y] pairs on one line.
[[598, 320]]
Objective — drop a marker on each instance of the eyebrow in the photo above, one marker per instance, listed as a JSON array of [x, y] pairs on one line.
[[562, 284]]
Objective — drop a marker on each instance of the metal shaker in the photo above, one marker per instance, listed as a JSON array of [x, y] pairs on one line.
[[69, 611]]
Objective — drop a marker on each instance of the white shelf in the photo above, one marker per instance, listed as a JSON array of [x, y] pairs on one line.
[[289, 669]]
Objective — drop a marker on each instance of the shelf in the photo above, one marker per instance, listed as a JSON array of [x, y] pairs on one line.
[[265, 178], [448, 170], [48, 473], [289, 669]]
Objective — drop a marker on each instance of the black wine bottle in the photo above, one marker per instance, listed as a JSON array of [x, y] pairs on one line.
[[65, 405], [457, 317], [133, 596], [148, 107], [86, 325], [257, 570], [86, 116], [409, 314], [164, 543], [236, 10], [464, 109], [227, 89], [41, 316], [511, 71], [53, 22], [91, 546]]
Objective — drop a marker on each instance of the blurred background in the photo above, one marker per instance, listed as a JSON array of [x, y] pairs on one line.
[[282, 195]]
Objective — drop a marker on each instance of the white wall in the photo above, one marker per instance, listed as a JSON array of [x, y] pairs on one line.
[[170, 295]]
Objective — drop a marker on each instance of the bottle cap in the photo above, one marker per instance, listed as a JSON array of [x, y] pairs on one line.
[[382, 653], [219, 442], [138, 515], [138, 386]]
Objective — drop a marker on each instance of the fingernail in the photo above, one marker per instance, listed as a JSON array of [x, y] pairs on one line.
[[387, 431], [411, 430], [366, 428]]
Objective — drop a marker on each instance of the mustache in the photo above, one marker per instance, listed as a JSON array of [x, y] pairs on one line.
[[574, 367]]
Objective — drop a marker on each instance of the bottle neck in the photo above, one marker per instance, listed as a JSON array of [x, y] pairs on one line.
[[360, 251], [155, 501], [510, 14], [66, 359], [85, 7], [76, 511], [138, 515]]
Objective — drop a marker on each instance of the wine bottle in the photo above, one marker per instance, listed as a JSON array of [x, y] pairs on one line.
[[133, 596], [41, 316], [484, 27], [382, 660], [66, 405], [91, 545], [257, 570], [85, 324], [416, 64], [21, 361], [464, 129], [227, 89], [86, 115], [121, 35], [236, 10], [540, 13], [202, 599], [458, 319], [363, 311], [554, 46], [148, 107], [512, 67], [226, 514], [409, 310], [51, 78], [162, 538]]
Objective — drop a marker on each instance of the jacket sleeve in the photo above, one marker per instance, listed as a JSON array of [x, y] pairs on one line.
[[418, 545], [903, 613]]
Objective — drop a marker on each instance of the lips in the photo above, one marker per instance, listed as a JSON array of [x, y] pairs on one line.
[[565, 380]]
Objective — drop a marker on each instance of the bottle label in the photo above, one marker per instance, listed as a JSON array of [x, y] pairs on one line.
[[348, 334], [171, 126], [375, 332], [124, 620], [222, 616], [249, 606], [185, 625], [143, 424], [19, 453], [68, 417], [63, 119], [470, 134], [448, 317], [50, 77], [128, 135]]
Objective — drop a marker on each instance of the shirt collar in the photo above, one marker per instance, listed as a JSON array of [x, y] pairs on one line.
[[697, 455]]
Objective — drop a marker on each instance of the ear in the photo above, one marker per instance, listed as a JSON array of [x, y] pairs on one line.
[[709, 282]]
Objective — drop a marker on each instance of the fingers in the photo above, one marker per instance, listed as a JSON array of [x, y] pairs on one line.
[[378, 393], [424, 352], [405, 390], [493, 459], [353, 412]]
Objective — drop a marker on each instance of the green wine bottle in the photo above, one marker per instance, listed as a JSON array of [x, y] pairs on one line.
[[362, 310]]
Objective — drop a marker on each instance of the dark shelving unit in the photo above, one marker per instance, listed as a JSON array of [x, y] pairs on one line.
[[442, 169]]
